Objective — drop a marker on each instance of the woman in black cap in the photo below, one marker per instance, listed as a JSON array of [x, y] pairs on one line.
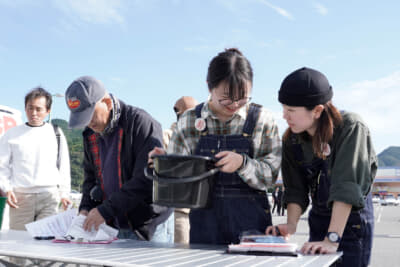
[[329, 155]]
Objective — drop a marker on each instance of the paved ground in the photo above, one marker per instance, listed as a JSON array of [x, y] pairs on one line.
[[386, 246]]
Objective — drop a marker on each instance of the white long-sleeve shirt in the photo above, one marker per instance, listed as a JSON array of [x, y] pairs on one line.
[[28, 160]]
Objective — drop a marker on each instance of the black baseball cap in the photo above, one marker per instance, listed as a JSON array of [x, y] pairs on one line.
[[305, 87]]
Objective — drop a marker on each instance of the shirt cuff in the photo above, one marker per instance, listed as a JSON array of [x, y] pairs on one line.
[[105, 210], [6, 187], [294, 196], [347, 192], [243, 171]]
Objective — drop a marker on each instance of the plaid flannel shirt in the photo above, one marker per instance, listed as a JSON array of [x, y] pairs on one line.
[[262, 170]]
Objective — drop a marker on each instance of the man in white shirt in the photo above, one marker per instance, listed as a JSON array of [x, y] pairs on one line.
[[34, 168]]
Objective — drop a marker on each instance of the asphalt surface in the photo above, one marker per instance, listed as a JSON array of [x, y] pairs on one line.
[[386, 243]]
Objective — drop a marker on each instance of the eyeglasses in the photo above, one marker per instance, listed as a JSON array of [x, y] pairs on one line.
[[240, 102]]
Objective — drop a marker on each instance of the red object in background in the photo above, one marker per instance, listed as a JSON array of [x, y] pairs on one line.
[[9, 118], [6, 122]]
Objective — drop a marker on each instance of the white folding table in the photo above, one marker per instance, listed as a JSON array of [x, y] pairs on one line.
[[140, 253]]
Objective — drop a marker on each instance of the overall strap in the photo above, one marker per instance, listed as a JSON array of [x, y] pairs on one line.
[[251, 120], [198, 109], [58, 136]]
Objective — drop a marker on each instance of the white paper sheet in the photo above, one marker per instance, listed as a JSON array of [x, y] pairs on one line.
[[56, 225], [68, 225], [76, 231]]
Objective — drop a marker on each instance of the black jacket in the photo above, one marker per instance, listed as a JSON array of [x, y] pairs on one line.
[[140, 134]]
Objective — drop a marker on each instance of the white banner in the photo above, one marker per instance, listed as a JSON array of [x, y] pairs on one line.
[[9, 118]]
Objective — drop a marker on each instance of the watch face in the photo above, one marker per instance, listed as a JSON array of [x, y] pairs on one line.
[[333, 237]]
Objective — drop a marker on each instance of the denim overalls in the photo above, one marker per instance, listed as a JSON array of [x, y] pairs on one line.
[[235, 207], [356, 242]]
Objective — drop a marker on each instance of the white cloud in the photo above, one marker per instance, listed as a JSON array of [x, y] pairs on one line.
[[92, 11], [377, 101], [277, 9], [320, 9]]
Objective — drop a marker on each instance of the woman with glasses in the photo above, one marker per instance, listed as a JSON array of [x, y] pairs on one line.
[[329, 155], [244, 138]]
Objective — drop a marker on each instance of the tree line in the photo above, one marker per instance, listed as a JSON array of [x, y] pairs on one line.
[[75, 146]]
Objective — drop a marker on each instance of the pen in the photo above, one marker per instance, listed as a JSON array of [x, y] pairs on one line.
[[44, 237], [278, 233]]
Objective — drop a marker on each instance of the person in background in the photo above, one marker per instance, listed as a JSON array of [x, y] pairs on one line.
[[282, 199], [181, 105], [34, 168], [181, 216], [116, 140], [329, 155], [244, 138], [277, 201]]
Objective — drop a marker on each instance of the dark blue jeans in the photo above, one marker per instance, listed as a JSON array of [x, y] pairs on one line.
[[356, 242], [228, 218]]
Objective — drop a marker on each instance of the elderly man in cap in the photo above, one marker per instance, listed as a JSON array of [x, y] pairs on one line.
[[117, 140]]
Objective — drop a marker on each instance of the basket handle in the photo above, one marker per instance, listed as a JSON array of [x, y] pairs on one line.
[[149, 174]]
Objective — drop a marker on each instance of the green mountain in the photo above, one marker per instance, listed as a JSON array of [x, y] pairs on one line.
[[389, 157], [75, 146]]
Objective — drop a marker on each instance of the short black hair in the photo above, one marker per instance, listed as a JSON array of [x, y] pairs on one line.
[[233, 68], [39, 92]]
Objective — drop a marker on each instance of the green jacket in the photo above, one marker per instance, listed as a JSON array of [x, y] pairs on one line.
[[352, 165]]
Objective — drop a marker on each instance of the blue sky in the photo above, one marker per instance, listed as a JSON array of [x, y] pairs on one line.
[[151, 52]]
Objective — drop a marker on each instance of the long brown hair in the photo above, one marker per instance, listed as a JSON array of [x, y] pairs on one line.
[[330, 119]]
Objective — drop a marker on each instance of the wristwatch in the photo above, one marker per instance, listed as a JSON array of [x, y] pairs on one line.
[[333, 237]]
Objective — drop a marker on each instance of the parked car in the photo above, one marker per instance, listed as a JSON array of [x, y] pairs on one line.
[[269, 195], [389, 200], [75, 195], [376, 199]]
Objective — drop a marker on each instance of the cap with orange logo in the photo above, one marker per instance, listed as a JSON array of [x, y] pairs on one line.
[[81, 98]]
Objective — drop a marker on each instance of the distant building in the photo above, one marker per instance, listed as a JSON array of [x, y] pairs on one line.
[[387, 180]]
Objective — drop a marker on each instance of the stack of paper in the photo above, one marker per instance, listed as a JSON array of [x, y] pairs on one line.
[[56, 225], [275, 245], [67, 226], [76, 233]]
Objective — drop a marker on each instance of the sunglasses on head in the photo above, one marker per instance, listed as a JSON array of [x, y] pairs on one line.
[[176, 110]]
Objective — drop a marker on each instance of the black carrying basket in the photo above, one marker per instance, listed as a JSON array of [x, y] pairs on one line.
[[182, 181]]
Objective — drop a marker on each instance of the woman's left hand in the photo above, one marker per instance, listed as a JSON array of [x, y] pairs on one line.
[[320, 247], [229, 161]]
